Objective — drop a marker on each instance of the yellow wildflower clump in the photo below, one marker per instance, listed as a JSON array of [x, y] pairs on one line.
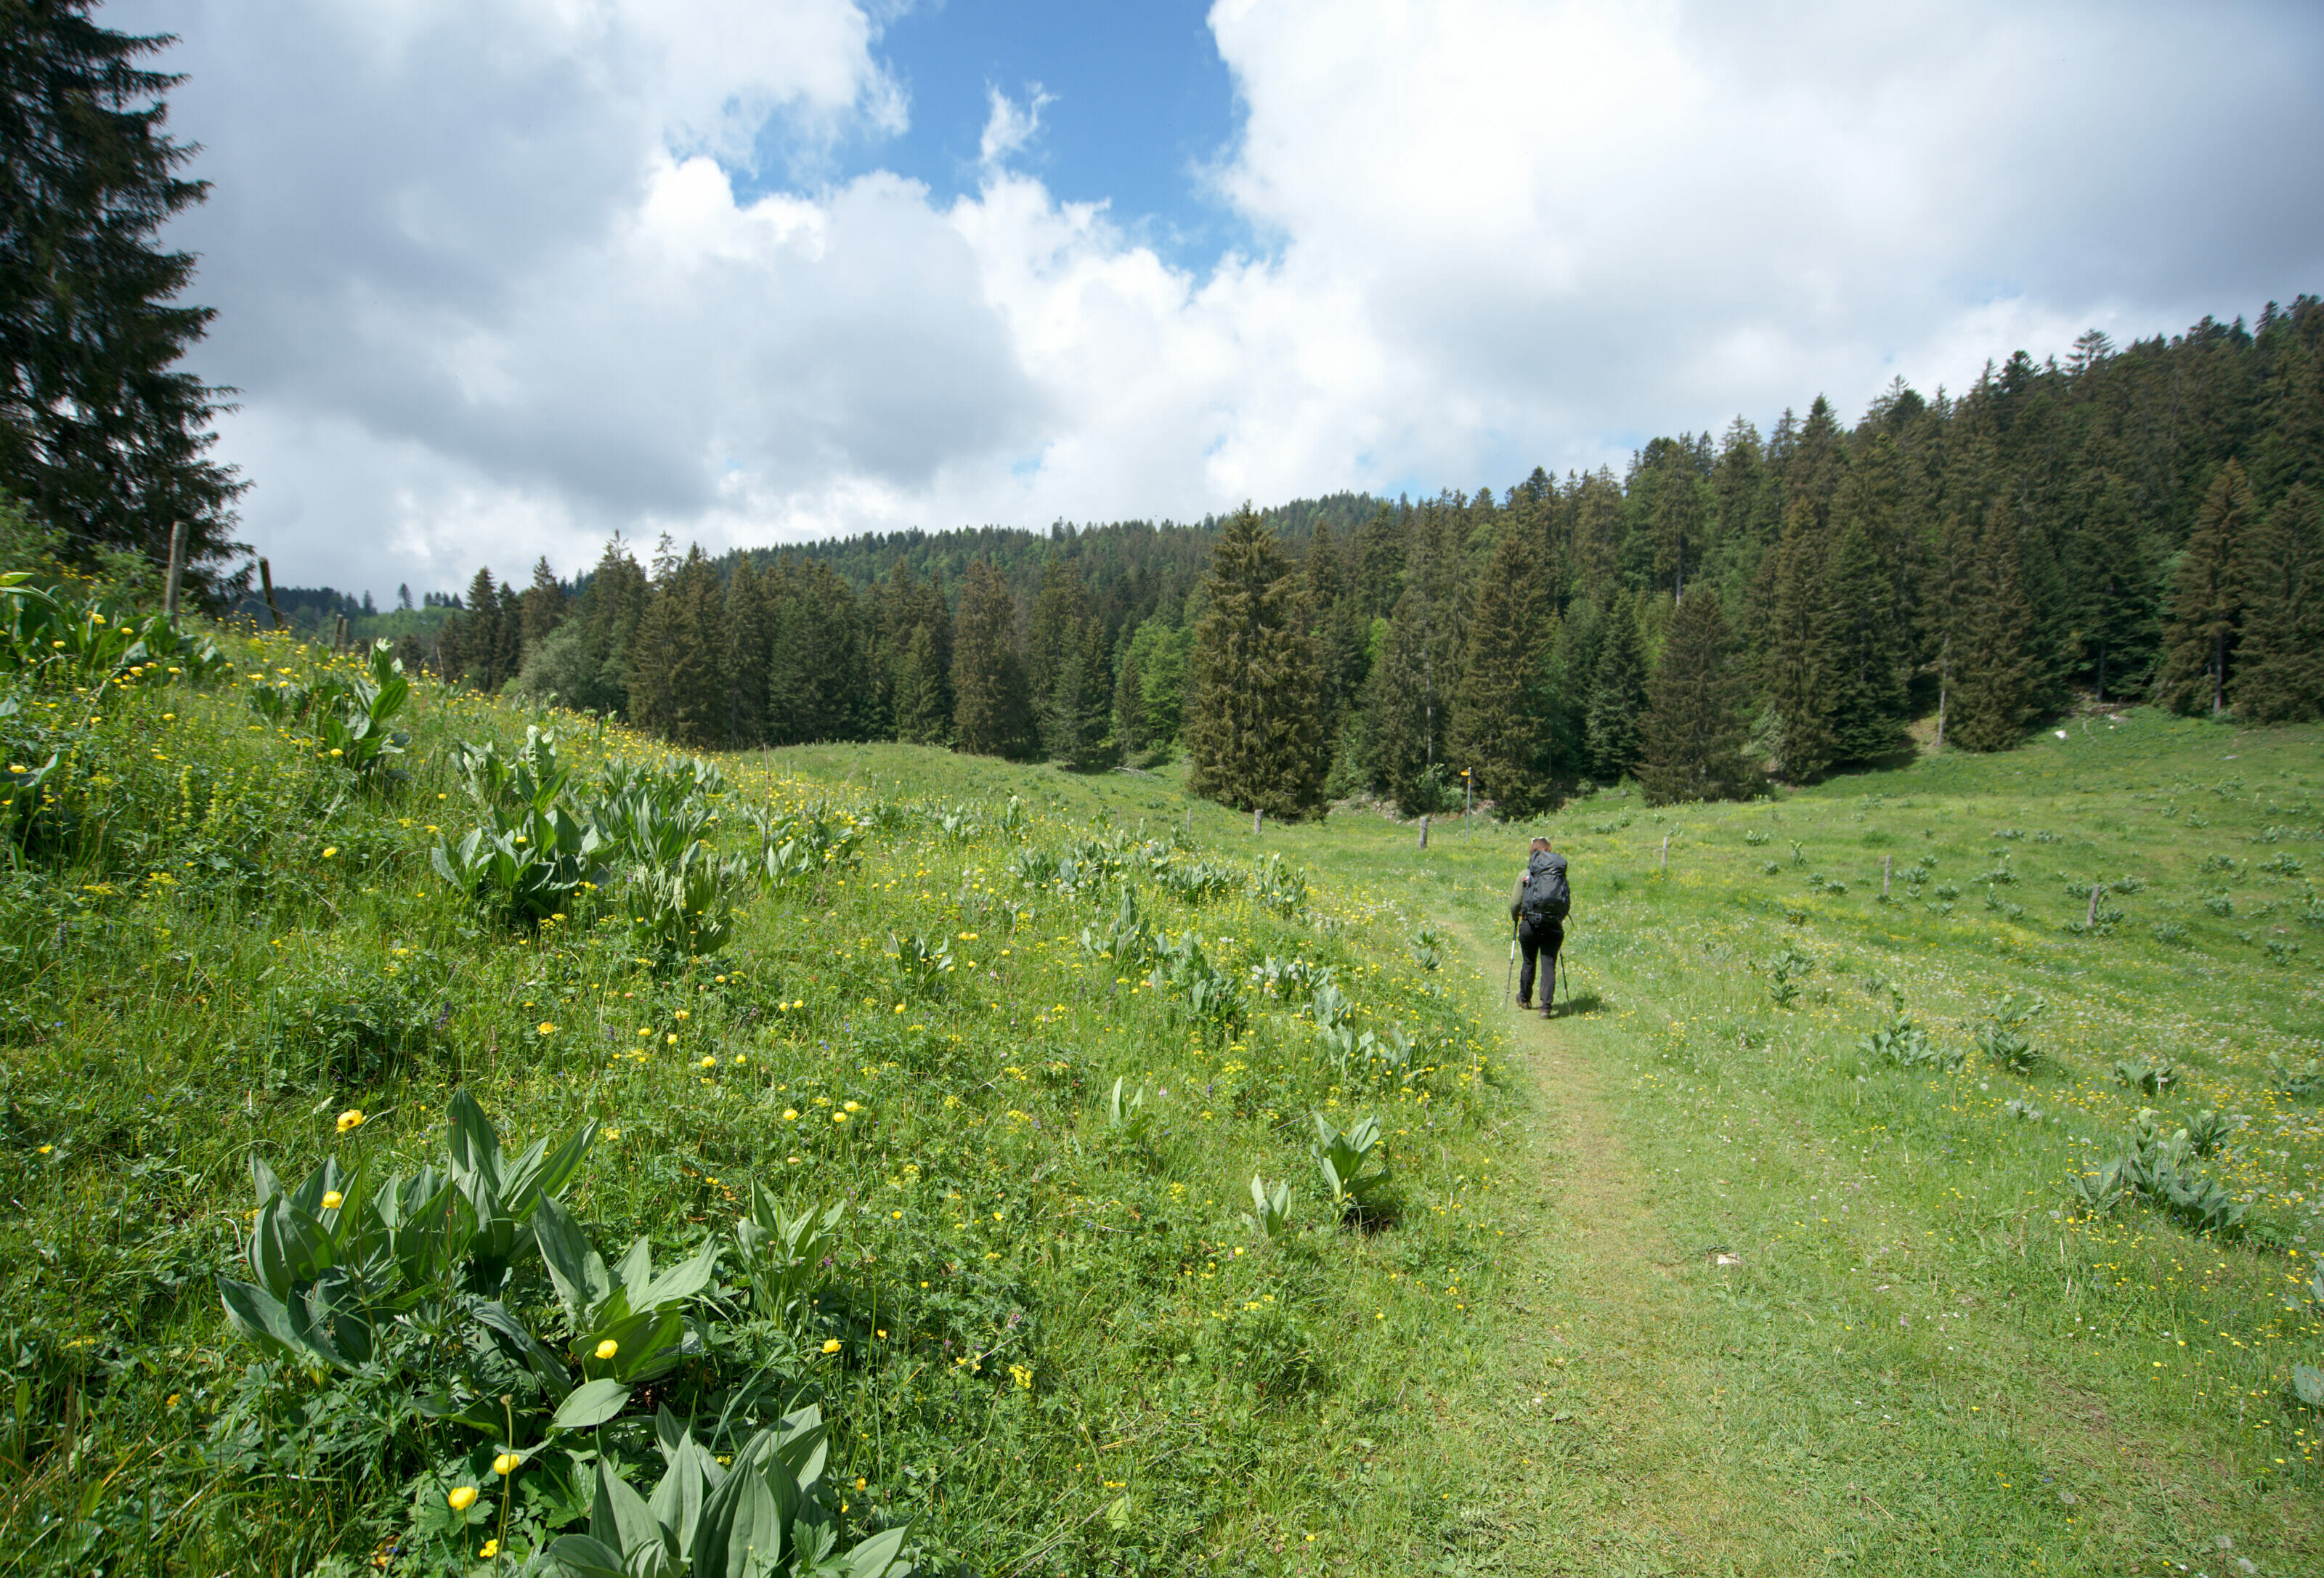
[[353, 1118]]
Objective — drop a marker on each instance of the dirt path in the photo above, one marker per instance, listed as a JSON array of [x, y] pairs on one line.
[[1612, 1432]]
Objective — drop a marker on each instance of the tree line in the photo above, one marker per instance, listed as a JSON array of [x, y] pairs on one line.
[[2133, 524]]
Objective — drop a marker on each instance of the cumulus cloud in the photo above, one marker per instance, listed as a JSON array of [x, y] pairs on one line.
[[489, 289]]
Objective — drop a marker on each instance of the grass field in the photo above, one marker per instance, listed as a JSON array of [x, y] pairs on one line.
[[1047, 1335]]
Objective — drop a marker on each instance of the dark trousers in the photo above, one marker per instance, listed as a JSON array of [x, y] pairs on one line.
[[1542, 940]]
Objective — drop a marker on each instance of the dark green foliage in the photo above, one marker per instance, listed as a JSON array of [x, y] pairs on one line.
[[2280, 663], [1499, 731], [1078, 723], [1694, 727], [1618, 696], [2206, 597], [1252, 734], [1994, 674], [1868, 646], [992, 715], [676, 687], [2119, 584], [101, 432], [815, 662], [1796, 674]]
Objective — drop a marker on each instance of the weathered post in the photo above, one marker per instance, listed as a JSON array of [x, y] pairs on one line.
[[177, 569], [2092, 919], [1666, 854], [266, 582], [1257, 813], [1885, 862], [1424, 832]]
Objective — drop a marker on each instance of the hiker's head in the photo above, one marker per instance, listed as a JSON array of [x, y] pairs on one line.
[[1539, 845]]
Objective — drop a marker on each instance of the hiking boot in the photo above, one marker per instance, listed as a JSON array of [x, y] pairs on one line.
[[1524, 1006], [1549, 1010]]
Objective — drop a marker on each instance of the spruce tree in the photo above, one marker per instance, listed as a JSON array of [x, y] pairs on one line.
[[1051, 635], [2279, 660], [475, 634], [1081, 704], [541, 608], [675, 687], [2118, 584], [746, 635], [102, 433], [1797, 670], [991, 715], [1862, 613], [1499, 729], [1252, 734], [1694, 723], [1130, 731], [923, 709], [2199, 646], [1996, 679], [1618, 696], [815, 670]]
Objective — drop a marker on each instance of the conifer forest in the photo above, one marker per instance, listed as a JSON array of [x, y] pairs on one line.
[[2137, 523]]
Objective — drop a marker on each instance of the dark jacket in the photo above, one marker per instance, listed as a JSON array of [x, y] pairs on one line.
[[1543, 860]]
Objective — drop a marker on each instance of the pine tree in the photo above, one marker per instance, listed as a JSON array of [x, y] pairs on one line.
[[474, 636], [1797, 671], [1618, 696], [1499, 729], [1996, 679], [991, 715], [1694, 724], [102, 433], [1253, 734], [2280, 661], [2199, 646], [675, 687]]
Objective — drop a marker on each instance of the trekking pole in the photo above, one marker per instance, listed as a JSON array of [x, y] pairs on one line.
[[1508, 982]]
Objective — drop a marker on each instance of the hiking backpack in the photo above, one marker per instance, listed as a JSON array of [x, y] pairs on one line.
[[1547, 895]]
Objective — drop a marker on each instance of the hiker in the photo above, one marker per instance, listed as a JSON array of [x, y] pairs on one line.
[[1538, 908]]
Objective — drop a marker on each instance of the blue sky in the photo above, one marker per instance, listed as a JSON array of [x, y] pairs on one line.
[[1139, 109], [495, 279]]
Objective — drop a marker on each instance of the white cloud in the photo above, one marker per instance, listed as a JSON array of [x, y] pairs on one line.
[[489, 291]]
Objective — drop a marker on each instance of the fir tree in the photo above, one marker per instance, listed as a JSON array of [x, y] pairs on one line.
[[816, 671], [1797, 670], [991, 713], [1499, 730], [1051, 636], [1996, 679], [471, 640], [2205, 599], [1253, 734], [2279, 660], [102, 433], [1694, 724], [1618, 696], [1079, 730]]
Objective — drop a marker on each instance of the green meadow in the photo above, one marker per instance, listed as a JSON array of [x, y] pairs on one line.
[[1842, 1220]]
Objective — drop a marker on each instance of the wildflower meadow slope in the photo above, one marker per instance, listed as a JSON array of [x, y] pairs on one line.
[[430, 1123]]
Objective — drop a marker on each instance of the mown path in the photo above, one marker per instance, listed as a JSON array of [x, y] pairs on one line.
[[1614, 1455]]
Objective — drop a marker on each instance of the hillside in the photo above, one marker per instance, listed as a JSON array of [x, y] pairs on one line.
[[1758, 1259]]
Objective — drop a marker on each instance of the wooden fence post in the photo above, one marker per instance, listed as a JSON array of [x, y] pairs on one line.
[[1424, 832], [177, 569], [1256, 813], [266, 581], [1885, 861]]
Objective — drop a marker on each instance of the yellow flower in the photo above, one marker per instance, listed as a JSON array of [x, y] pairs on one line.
[[855, 1107], [492, 1546], [831, 1345], [45, 1149], [332, 1199], [613, 1134], [681, 1014], [336, 751], [710, 1063], [546, 1028], [608, 1348], [839, 1116], [330, 852], [171, 1401], [462, 1498], [506, 1463], [790, 1116], [352, 1118], [671, 1039], [741, 1058]]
